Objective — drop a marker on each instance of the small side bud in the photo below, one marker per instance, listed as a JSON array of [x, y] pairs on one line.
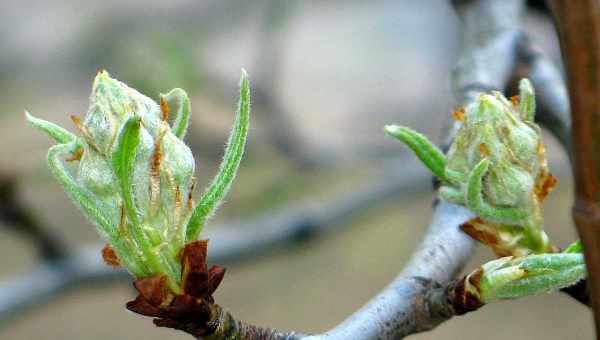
[[511, 278]]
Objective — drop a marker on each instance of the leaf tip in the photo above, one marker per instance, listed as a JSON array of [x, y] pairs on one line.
[[244, 82], [392, 130]]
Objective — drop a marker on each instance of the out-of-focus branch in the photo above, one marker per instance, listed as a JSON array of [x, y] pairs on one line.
[[551, 92], [282, 132], [578, 24], [490, 37], [230, 243], [18, 217]]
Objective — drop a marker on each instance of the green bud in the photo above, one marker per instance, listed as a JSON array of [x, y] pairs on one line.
[[135, 175], [163, 166], [510, 190], [511, 278], [493, 129], [496, 167]]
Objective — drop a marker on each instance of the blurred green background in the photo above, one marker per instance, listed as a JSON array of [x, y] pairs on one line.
[[326, 76]]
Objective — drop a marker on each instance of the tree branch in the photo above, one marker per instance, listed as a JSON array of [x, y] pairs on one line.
[[413, 302], [578, 24], [17, 216], [490, 37], [231, 328]]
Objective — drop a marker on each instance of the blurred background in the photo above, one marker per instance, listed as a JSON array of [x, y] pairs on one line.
[[326, 77]]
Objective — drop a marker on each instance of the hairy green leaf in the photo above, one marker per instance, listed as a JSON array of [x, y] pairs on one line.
[[178, 99], [526, 100], [229, 166], [123, 162], [54, 131], [428, 153], [575, 247], [476, 201], [92, 208]]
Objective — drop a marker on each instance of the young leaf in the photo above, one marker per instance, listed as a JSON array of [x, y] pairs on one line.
[[229, 166], [178, 98], [54, 131], [526, 100], [476, 202], [574, 247], [123, 162], [91, 207], [546, 281], [452, 195], [556, 261], [428, 153]]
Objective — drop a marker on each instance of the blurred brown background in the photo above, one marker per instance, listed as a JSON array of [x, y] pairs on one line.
[[326, 77]]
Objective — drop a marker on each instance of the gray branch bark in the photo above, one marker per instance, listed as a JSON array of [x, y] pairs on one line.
[[401, 309]]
